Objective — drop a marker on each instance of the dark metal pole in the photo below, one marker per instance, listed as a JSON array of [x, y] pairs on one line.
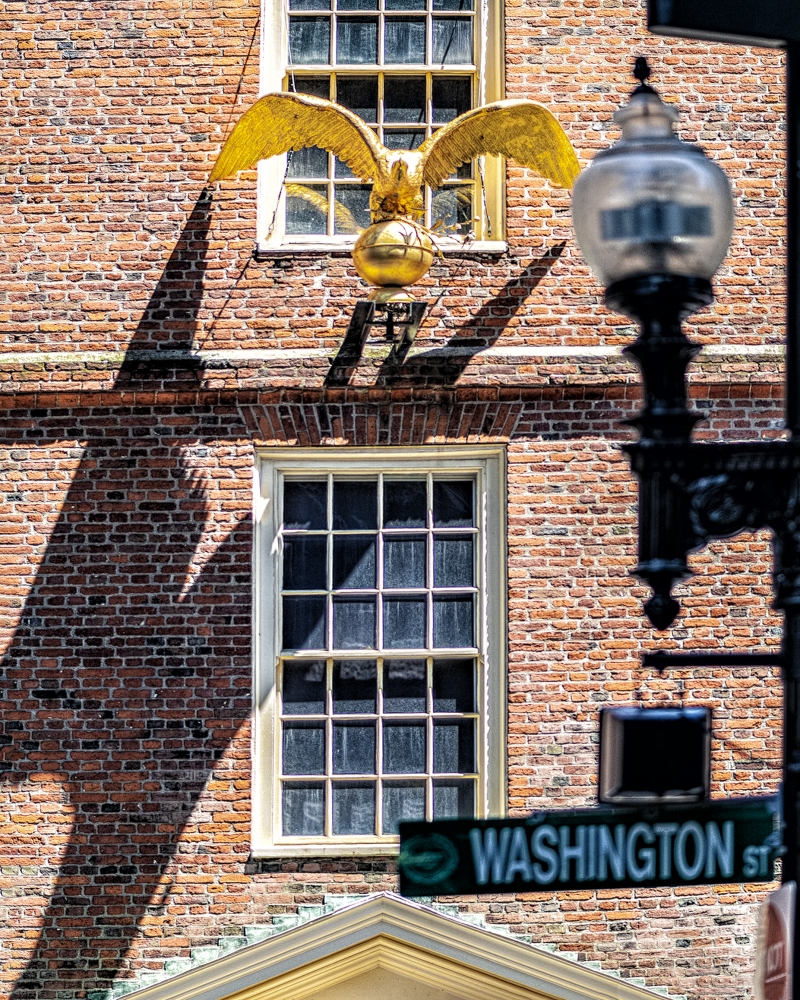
[[790, 581]]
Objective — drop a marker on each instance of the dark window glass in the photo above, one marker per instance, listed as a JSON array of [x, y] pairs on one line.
[[404, 623], [454, 685], [404, 40], [353, 561], [405, 504], [451, 97], [404, 4], [404, 561], [305, 506], [359, 94], [304, 687], [357, 40], [403, 801], [355, 506], [304, 748], [309, 5], [404, 685], [309, 40], [403, 747], [453, 799], [353, 623], [452, 503], [393, 139], [404, 101], [306, 209], [354, 748], [353, 808], [351, 210], [452, 40], [452, 5], [304, 562], [316, 86], [309, 162], [303, 809], [355, 685], [304, 623], [357, 4], [452, 561], [454, 746], [452, 622]]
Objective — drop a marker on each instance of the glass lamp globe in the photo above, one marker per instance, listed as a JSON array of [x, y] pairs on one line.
[[652, 204]]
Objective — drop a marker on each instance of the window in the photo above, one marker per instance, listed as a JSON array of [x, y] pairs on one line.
[[406, 67], [380, 679]]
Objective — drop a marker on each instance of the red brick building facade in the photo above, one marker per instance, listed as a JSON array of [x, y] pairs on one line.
[[150, 361]]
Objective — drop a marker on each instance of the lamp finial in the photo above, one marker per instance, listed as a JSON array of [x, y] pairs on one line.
[[641, 69]]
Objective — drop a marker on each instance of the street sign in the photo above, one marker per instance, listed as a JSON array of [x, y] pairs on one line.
[[774, 953], [729, 840], [769, 22]]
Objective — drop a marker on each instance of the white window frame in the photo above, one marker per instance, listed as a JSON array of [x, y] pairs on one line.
[[271, 240], [488, 465]]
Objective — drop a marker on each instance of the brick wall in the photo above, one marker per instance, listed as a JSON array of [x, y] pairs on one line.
[[127, 449]]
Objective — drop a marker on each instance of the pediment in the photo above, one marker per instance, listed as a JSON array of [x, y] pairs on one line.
[[392, 948]]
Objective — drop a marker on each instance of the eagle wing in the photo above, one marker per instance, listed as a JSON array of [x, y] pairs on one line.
[[523, 130], [277, 123]]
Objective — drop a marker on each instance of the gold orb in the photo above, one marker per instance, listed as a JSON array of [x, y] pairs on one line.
[[394, 253]]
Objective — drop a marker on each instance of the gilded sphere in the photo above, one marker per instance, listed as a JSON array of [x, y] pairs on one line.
[[395, 253]]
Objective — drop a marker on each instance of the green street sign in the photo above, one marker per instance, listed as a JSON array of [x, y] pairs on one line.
[[729, 840]]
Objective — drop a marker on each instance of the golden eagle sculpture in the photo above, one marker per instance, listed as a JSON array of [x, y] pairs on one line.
[[520, 129]]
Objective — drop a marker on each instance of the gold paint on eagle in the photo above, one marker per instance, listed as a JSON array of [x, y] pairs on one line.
[[278, 123]]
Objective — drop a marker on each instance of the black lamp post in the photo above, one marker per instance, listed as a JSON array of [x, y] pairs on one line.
[[653, 217]]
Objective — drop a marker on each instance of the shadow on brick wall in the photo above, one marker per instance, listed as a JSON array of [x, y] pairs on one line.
[[129, 673], [444, 365]]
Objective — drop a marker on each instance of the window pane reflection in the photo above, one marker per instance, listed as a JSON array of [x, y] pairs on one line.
[[306, 209], [404, 99], [355, 686], [351, 210], [452, 40], [357, 40], [309, 40], [404, 40], [353, 808], [303, 809], [353, 623], [403, 801], [451, 97], [309, 162]]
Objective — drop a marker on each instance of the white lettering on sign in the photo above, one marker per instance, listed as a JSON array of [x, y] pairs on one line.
[[598, 853]]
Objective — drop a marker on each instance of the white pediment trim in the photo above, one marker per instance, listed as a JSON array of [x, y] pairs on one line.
[[395, 933]]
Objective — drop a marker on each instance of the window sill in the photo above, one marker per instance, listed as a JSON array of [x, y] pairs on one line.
[[265, 251], [326, 849]]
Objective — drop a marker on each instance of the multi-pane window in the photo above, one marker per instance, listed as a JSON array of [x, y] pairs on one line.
[[380, 565], [406, 67], [380, 687], [367, 744]]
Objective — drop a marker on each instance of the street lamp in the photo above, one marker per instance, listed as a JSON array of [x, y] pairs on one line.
[[654, 217]]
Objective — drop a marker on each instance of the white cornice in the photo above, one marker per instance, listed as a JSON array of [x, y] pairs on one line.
[[716, 353]]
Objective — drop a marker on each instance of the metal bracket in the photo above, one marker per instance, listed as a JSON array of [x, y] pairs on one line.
[[400, 321]]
